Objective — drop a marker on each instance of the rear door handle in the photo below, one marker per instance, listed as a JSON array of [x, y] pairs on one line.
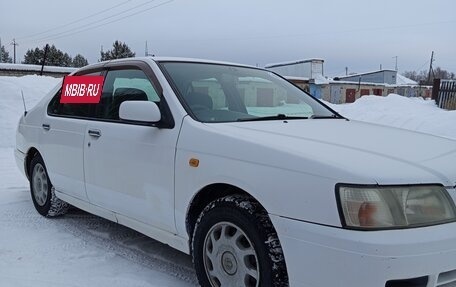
[[95, 133], [46, 126]]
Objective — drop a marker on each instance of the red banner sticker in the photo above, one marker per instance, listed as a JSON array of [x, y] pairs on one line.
[[81, 90]]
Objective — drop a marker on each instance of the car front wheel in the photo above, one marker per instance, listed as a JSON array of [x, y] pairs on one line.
[[43, 196], [235, 244]]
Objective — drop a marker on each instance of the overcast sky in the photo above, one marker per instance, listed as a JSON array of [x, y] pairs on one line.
[[359, 35]]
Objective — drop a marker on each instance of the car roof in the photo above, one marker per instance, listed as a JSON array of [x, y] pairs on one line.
[[167, 59], [196, 60], [160, 59]]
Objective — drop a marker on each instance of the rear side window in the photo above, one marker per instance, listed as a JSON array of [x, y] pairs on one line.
[[71, 110]]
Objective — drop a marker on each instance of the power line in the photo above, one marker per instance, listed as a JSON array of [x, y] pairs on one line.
[[75, 21], [422, 66], [104, 24], [57, 35], [320, 32]]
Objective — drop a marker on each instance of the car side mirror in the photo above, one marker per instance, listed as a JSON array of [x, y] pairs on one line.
[[140, 111]]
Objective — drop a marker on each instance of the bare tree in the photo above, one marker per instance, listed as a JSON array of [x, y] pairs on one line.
[[422, 76]]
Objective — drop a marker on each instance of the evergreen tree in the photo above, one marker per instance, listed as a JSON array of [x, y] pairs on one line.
[[5, 56], [119, 50], [79, 61], [54, 57], [33, 56]]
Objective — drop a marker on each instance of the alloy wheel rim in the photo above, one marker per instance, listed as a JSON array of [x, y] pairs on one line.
[[229, 257], [40, 184]]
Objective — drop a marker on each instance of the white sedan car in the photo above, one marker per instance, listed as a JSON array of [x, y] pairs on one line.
[[261, 183]]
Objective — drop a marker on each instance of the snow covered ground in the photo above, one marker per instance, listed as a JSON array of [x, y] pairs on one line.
[[80, 249]]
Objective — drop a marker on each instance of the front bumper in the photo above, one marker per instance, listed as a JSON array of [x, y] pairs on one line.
[[327, 256]]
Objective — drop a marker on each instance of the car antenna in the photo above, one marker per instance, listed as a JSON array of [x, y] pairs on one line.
[[23, 101]]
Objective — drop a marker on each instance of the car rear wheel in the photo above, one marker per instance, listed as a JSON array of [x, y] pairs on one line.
[[42, 191], [235, 244]]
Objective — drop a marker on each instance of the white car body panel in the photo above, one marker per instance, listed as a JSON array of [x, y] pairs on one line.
[[259, 153], [140, 176], [338, 257], [129, 170], [62, 148], [171, 239]]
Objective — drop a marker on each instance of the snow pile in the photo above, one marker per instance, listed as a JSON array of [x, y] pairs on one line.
[[11, 106], [320, 80], [402, 112]]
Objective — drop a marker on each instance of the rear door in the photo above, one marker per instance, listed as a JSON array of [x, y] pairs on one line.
[[62, 142], [129, 168]]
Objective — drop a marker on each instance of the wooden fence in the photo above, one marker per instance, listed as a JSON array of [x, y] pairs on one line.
[[444, 93]]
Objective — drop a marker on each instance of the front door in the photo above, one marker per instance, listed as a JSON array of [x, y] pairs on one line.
[[129, 168]]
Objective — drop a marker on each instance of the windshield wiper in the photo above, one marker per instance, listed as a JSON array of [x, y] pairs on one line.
[[334, 116], [272, 118]]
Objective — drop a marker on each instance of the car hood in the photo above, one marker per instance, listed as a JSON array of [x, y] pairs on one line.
[[347, 151]]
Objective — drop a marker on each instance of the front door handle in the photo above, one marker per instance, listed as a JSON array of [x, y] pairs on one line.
[[46, 126], [95, 133]]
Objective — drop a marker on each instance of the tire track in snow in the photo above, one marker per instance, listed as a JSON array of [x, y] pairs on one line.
[[111, 237], [130, 245]]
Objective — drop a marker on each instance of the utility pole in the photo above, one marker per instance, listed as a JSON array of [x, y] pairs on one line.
[[146, 52], [396, 63], [46, 49], [430, 68], [346, 71], [14, 43]]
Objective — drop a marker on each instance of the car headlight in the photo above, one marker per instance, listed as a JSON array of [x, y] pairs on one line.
[[387, 207]]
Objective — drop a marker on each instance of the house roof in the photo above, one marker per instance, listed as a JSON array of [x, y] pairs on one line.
[[402, 80], [367, 73], [275, 65]]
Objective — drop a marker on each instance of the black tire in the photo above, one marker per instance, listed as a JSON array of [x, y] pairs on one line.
[[42, 191], [241, 217]]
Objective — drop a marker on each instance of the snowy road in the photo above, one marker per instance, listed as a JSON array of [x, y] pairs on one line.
[[78, 249]]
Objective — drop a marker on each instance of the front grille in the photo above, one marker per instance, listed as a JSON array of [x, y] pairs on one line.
[[447, 279]]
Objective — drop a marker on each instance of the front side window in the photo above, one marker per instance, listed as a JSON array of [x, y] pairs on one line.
[[124, 85], [223, 93]]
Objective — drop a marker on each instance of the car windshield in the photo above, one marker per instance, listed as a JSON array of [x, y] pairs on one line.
[[225, 93]]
